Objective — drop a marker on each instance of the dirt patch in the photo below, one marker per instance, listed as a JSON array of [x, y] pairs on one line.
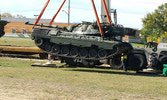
[[20, 89]]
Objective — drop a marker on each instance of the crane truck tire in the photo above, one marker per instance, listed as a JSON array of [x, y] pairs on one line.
[[136, 62], [162, 60], [116, 63]]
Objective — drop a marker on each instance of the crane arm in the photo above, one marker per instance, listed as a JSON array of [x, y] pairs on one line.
[[39, 17], [57, 13]]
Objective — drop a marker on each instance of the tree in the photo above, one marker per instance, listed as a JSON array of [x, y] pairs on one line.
[[155, 24], [6, 15], [19, 16], [11, 16]]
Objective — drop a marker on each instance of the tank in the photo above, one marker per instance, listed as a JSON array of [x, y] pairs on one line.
[[89, 43], [2, 24], [82, 43]]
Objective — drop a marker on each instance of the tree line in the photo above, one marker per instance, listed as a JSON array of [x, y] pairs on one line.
[[155, 25], [9, 15]]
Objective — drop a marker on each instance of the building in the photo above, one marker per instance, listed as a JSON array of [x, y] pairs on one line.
[[134, 39], [17, 25]]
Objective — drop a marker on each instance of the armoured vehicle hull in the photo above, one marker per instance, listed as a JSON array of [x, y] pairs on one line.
[[2, 24], [83, 45]]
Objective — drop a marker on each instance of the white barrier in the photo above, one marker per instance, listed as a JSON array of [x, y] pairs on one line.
[[17, 35]]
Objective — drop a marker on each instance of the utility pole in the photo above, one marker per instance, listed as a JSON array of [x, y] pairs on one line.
[[0, 14], [68, 12], [36, 16]]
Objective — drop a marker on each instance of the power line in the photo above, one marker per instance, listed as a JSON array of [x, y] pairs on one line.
[[28, 10]]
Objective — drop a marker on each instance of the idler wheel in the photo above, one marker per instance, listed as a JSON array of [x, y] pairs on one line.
[[83, 52], [93, 53], [38, 41], [74, 52], [65, 50], [102, 53], [56, 49]]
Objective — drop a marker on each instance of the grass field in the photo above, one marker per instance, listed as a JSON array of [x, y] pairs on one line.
[[20, 81], [137, 45], [16, 41], [28, 42]]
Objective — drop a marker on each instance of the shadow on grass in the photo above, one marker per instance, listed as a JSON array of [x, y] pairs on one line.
[[104, 70], [147, 74]]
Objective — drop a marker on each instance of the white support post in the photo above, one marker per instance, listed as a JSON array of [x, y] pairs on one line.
[[49, 58]]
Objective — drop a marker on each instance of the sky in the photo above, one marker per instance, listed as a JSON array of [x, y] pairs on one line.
[[129, 12]]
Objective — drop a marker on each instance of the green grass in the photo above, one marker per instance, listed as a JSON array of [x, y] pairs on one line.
[[77, 83], [137, 45], [21, 81], [16, 41], [28, 42]]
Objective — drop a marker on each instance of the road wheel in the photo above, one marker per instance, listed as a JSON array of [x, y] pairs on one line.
[[65, 50], [74, 51], [56, 49], [116, 63], [162, 60], [102, 53], [136, 62], [47, 46], [83, 52], [93, 53]]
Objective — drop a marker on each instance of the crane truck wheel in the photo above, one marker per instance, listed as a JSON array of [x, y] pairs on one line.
[[136, 62], [162, 60], [116, 63]]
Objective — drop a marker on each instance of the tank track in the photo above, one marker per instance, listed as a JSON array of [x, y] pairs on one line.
[[119, 49], [108, 57]]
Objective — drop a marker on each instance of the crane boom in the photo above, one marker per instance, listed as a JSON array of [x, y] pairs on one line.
[[104, 9]]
